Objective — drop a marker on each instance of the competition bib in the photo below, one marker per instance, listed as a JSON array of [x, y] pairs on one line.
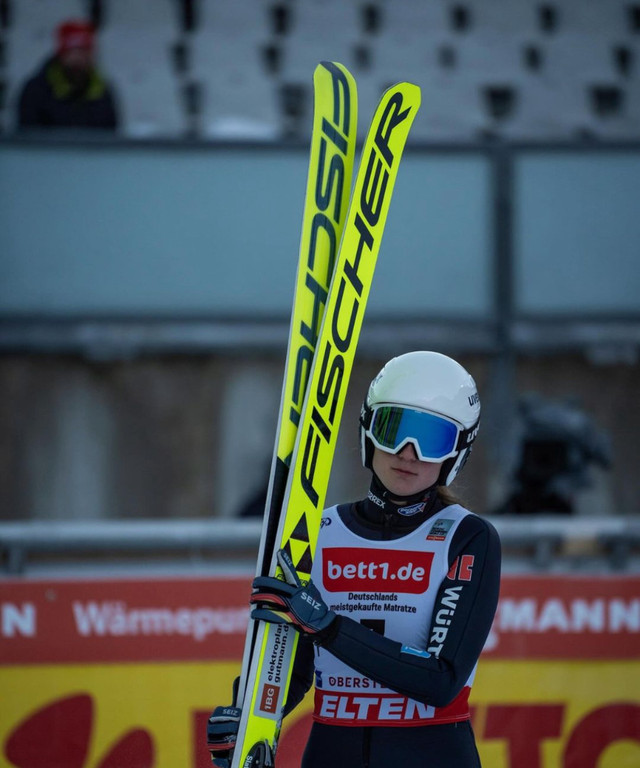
[[389, 587]]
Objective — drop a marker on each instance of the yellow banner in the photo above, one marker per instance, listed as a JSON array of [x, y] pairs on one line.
[[77, 716], [558, 714], [539, 714]]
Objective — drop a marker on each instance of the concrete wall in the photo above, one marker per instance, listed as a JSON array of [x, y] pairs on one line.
[[192, 437]]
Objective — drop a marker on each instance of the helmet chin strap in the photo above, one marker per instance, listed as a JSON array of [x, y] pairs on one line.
[[393, 502]]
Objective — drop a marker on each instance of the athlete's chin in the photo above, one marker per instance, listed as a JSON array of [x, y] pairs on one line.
[[402, 484]]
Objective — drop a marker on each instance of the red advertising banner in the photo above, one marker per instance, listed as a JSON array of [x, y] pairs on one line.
[[124, 672], [562, 617], [118, 620], [205, 619]]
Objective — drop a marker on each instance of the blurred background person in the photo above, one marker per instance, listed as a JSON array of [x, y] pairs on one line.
[[69, 91], [559, 445]]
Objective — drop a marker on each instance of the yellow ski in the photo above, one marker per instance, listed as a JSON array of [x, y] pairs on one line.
[[329, 179], [333, 146], [273, 650]]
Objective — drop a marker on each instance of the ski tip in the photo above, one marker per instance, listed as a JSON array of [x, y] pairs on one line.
[[407, 87], [332, 66], [411, 93], [416, 93], [326, 65]]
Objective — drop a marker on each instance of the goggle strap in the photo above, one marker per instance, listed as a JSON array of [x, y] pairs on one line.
[[467, 436], [366, 415]]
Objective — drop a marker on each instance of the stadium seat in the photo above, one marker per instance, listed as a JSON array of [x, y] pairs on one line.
[[408, 16], [523, 69], [239, 98], [590, 17], [451, 111], [318, 21], [247, 20], [232, 69], [300, 56], [550, 110], [136, 43], [161, 16]]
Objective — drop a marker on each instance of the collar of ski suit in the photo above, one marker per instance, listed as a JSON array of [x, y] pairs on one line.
[[406, 512]]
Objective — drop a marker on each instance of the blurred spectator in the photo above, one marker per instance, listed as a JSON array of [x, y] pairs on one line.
[[558, 445], [69, 91]]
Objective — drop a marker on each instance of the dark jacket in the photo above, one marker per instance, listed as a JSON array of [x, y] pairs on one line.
[[48, 100]]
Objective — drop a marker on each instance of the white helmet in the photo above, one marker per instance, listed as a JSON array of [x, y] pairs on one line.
[[426, 399]]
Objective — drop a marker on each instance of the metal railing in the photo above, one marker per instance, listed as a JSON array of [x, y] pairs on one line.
[[541, 542]]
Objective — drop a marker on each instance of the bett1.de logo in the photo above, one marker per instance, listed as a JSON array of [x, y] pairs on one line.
[[370, 570]]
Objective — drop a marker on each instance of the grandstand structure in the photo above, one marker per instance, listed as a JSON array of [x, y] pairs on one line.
[[526, 70], [130, 255]]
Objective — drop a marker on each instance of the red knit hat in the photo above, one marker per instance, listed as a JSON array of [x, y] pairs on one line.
[[75, 34]]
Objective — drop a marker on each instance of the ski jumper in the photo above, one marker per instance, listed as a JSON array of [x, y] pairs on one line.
[[415, 589]]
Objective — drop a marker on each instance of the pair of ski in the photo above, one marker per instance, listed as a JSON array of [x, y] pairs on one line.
[[339, 246]]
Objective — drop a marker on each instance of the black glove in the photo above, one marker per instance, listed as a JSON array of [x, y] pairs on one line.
[[290, 601], [222, 731]]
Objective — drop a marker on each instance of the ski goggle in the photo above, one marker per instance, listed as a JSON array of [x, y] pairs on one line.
[[435, 438]]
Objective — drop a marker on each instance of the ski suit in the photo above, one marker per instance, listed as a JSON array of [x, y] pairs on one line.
[[425, 578]]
